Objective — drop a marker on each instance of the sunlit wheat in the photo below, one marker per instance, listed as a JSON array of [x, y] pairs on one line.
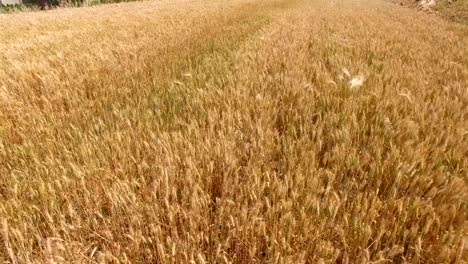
[[226, 132]]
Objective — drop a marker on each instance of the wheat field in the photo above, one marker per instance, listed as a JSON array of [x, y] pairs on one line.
[[243, 131]]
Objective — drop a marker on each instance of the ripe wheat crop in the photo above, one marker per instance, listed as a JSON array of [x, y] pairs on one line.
[[245, 131]]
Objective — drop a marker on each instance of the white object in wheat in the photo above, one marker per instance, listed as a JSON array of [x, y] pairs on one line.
[[357, 82]]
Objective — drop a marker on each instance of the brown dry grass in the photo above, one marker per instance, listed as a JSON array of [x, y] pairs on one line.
[[455, 10], [227, 132]]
